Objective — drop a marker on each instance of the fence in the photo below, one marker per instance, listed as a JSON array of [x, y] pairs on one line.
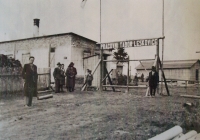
[[11, 80]]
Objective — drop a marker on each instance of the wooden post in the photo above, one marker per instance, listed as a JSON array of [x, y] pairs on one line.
[[128, 76], [101, 70], [157, 63], [49, 64], [163, 75]]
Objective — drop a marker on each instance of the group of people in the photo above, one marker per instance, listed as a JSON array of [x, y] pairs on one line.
[[59, 75], [30, 77]]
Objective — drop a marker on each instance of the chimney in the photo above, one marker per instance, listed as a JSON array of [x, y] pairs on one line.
[[36, 23]]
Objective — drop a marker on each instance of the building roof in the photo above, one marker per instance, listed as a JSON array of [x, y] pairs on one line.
[[171, 64], [47, 36]]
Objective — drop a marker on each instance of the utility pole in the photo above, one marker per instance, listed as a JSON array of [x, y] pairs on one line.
[[163, 30]]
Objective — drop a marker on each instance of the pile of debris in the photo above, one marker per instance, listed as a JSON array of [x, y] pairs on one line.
[[9, 62]]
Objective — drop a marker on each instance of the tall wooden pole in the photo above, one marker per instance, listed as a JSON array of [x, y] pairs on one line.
[[101, 70], [157, 62], [101, 56], [163, 30]]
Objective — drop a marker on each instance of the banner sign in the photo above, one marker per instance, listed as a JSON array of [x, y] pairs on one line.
[[131, 43]]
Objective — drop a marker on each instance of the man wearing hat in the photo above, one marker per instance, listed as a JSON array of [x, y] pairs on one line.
[[57, 76], [153, 81], [71, 74]]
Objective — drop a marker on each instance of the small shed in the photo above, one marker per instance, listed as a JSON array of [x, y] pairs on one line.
[[174, 69]]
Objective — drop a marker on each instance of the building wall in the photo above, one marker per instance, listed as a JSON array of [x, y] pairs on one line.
[[68, 48], [183, 74], [37, 47], [195, 67], [79, 45]]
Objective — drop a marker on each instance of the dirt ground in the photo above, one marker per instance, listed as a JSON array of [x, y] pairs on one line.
[[98, 116]]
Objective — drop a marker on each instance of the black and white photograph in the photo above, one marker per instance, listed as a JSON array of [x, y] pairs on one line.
[[99, 70]]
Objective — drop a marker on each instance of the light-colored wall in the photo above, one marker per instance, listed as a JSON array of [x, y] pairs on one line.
[[90, 63], [37, 47], [61, 52], [195, 67], [183, 74], [80, 44], [177, 74]]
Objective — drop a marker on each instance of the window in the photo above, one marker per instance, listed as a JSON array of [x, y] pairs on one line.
[[52, 50]]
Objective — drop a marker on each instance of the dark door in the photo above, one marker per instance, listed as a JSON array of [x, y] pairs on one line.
[[197, 74]]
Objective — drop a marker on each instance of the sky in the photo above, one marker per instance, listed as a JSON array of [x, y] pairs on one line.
[[120, 20]]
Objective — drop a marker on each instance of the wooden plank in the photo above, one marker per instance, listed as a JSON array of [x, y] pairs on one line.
[[45, 97], [166, 86], [123, 86], [109, 79], [190, 96], [89, 56], [46, 91], [107, 75], [128, 60]]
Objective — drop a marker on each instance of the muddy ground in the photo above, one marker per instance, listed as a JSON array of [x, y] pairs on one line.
[[97, 116]]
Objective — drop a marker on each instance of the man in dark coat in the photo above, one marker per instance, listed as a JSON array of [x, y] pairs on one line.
[[153, 81], [30, 76], [57, 76], [71, 75]]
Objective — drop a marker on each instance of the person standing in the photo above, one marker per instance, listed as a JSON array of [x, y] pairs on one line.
[[71, 73], [153, 81], [62, 79], [142, 77], [57, 76], [89, 79], [30, 76]]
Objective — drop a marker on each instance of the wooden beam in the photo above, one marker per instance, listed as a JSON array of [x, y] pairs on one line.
[[109, 79], [164, 77], [90, 56], [121, 86], [131, 40], [190, 96], [46, 91], [128, 60], [107, 75], [101, 70], [45, 97]]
